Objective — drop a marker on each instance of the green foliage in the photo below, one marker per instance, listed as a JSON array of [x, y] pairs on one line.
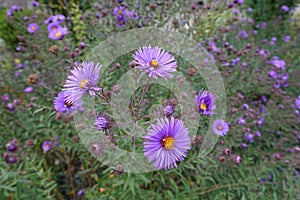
[[8, 32], [265, 10]]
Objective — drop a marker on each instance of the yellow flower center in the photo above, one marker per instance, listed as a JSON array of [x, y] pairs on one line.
[[168, 143], [119, 11], [53, 28], [58, 34], [68, 103], [83, 83], [33, 28], [220, 127], [121, 22], [203, 106], [212, 47], [277, 66], [154, 63]]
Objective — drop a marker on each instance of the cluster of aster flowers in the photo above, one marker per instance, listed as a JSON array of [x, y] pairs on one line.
[[122, 14], [82, 80], [280, 77], [13, 9], [55, 30]]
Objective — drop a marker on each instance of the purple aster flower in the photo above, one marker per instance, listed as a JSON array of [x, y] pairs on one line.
[[58, 18], [46, 146], [166, 143], [11, 146], [249, 137], [257, 134], [287, 38], [16, 8], [244, 145], [120, 10], [49, 20], [220, 127], [243, 34], [262, 108], [285, 76], [5, 97], [261, 121], [276, 85], [9, 12], [10, 107], [212, 46], [63, 104], [205, 102], [155, 61], [58, 34], [285, 8], [264, 99], [11, 160], [101, 123], [168, 110], [273, 74], [244, 64], [279, 64], [297, 103], [249, 9], [235, 61], [121, 20], [53, 26], [82, 45], [241, 121], [245, 106], [35, 3], [80, 192], [254, 32], [132, 15], [32, 28], [28, 89], [83, 79]]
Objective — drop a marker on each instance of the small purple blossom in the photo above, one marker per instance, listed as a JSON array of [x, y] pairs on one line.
[[249, 137], [9, 12], [220, 127], [120, 10], [245, 106], [243, 34], [5, 97], [32, 28], [28, 89], [273, 74], [297, 103], [46, 146], [168, 110], [53, 26], [35, 3], [279, 64], [121, 20], [287, 38], [285, 8], [132, 15], [155, 61], [241, 121], [166, 143], [101, 123], [205, 102], [257, 134], [58, 33]]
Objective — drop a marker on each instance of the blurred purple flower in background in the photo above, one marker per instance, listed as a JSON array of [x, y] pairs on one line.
[[46, 146], [220, 127], [285, 8], [32, 28]]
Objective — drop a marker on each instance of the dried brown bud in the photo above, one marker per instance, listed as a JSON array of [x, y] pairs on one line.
[[54, 49], [192, 71], [153, 6], [32, 79], [222, 159]]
